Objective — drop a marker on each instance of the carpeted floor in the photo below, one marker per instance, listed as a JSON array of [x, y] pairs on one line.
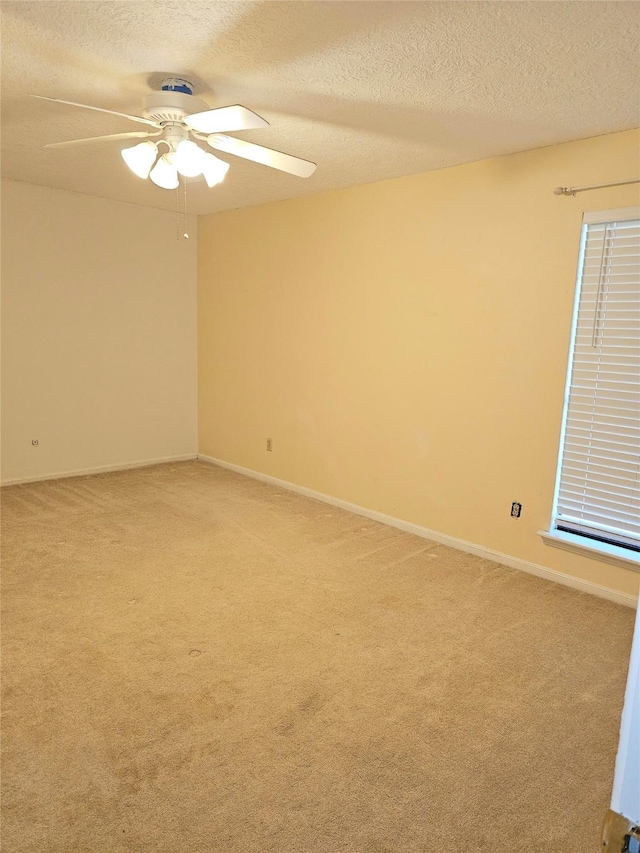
[[196, 661]]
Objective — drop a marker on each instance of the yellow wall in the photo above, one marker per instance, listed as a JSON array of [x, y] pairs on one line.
[[98, 334], [405, 343]]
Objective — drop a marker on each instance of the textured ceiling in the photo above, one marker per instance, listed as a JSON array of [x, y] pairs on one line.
[[367, 90]]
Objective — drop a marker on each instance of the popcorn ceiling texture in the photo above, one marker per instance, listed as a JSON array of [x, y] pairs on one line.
[[367, 90]]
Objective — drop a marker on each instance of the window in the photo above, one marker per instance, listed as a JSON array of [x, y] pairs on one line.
[[597, 492]]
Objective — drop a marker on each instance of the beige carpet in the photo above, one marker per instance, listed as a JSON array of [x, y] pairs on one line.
[[195, 661]]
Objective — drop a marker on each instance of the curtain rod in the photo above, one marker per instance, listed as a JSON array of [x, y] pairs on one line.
[[574, 190]]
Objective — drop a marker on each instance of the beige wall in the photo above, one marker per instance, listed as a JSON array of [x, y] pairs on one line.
[[405, 343], [98, 334]]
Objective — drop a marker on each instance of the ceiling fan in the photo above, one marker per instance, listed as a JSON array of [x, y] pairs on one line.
[[176, 114]]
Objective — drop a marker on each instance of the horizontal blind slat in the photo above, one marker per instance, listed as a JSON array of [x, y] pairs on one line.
[[591, 526], [605, 512], [597, 494], [616, 458], [599, 475]]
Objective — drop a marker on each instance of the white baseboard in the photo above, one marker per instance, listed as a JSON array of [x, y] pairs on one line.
[[451, 541], [103, 469]]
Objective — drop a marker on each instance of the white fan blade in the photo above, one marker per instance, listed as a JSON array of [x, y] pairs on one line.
[[264, 156], [225, 118], [134, 134], [99, 110]]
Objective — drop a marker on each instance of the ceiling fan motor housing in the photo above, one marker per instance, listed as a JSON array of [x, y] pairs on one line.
[[169, 106]]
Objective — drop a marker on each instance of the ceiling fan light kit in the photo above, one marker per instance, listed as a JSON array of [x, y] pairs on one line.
[[175, 114]]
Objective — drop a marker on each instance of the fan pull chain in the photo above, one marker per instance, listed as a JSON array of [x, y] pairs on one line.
[[178, 210], [186, 226]]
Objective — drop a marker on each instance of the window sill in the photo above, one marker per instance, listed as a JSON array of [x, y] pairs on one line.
[[591, 548]]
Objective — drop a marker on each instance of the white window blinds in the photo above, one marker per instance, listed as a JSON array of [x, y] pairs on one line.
[[598, 487]]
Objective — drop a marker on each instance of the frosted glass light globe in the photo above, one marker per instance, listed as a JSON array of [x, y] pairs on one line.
[[164, 174], [214, 170], [188, 158], [140, 158]]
